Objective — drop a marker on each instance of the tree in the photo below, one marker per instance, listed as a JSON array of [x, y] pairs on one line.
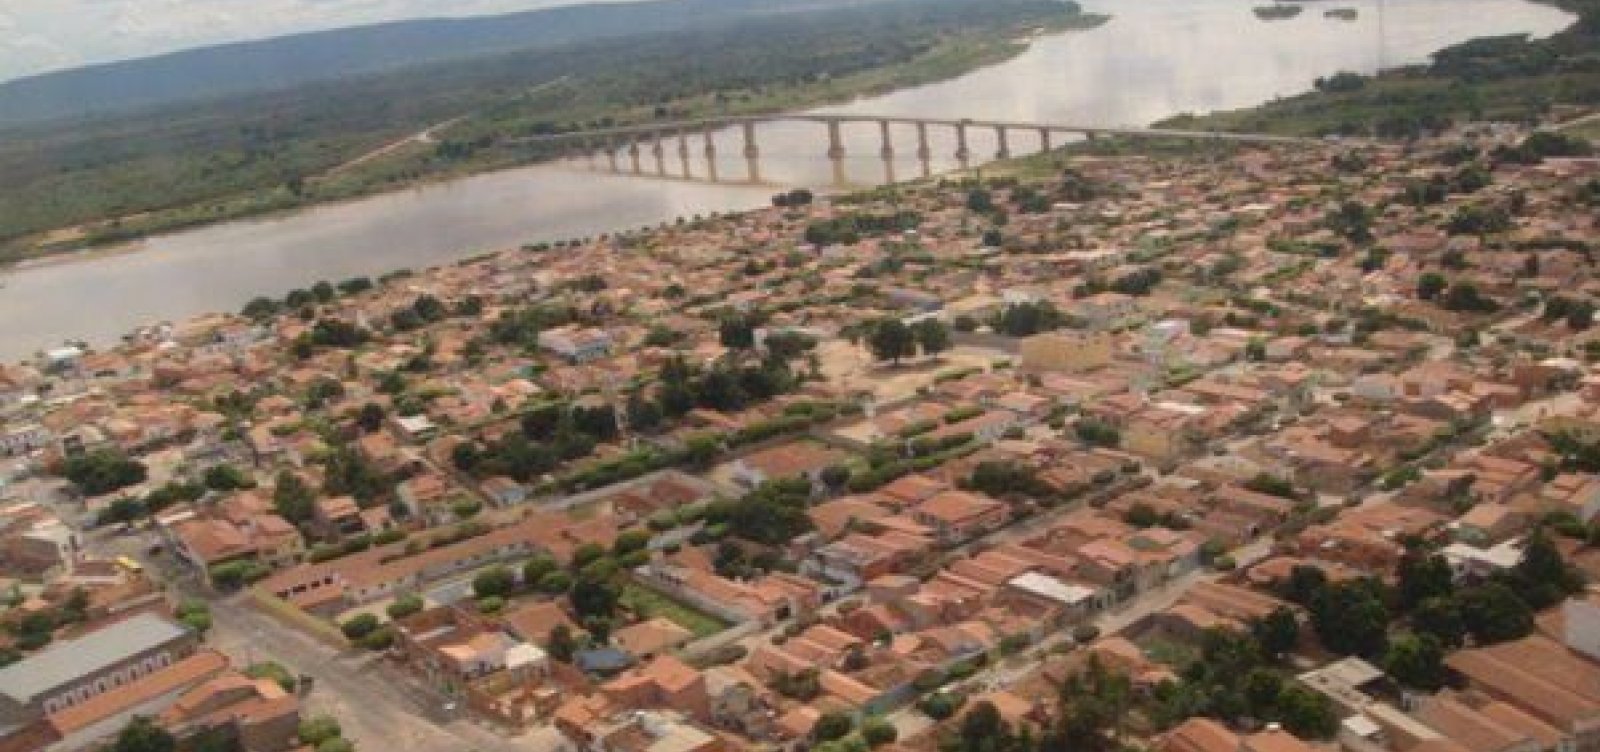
[[359, 626], [932, 336], [555, 583], [195, 614], [535, 569], [1493, 613], [561, 644], [370, 417], [143, 735], [338, 744], [940, 705], [877, 732], [832, 725], [1350, 618], [291, 498], [103, 471], [1543, 577], [629, 541], [1094, 432], [1277, 632], [1352, 220], [593, 598], [1306, 713], [1423, 575], [1416, 661], [891, 340], [1440, 618], [982, 727], [737, 333], [404, 606], [318, 729], [1093, 703], [1429, 285], [1255, 350]]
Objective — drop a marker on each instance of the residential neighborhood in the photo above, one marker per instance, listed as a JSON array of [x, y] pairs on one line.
[[1267, 448]]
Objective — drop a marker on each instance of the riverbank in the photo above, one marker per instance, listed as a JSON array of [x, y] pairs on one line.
[[477, 142], [1507, 79], [1061, 78]]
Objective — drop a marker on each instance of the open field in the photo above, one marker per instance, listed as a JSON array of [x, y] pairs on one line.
[[648, 602]]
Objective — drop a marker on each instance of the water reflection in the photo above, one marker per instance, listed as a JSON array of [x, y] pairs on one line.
[[1155, 58]]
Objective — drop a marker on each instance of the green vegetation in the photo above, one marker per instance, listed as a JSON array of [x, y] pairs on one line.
[[647, 603], [255, 154], [1506, 78]]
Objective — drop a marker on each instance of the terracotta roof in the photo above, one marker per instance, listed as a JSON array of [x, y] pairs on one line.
[[176, 677]]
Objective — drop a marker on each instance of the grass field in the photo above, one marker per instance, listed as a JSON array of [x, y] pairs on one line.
[[649, 603]]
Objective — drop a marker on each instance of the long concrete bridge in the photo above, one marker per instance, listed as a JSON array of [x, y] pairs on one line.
[[633, 141]]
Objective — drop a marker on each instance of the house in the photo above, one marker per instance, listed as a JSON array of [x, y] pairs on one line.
[[786, 461], [258, 713], [664, 683], [430, 497], [337, 517], [24, 439], [206, 544], [1540, 677], [576, 344], [1105, 310], [1207, 735], [651, 638], [956, 516], [453, 648]]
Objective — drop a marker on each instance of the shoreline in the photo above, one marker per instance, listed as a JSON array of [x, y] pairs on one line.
[[990, 51]]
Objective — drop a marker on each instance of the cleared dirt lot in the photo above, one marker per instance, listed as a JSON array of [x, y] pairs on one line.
[[852, 366]]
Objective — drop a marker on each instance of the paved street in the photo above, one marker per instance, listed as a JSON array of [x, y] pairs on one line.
[[378, 706]]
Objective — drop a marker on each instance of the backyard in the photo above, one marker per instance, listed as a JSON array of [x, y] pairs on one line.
[[647, 602]]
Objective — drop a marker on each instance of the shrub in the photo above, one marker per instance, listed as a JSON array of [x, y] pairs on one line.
[[379, 639], [1085, 633], [319, 729], [878, 732], [359, 626], [941, 705]]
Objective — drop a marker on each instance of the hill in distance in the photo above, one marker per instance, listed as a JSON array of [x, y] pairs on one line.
[[290, 61]]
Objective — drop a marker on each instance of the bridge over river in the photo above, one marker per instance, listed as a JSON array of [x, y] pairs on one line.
[[632, 143]]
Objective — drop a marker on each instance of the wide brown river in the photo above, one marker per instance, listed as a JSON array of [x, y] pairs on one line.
[[1155, 58]]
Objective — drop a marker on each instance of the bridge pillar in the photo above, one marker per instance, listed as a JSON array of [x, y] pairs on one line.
[[835, 141], [1044, 139], [658, 150], [923, 152], [711, 156], [1003, 151], [633, 156], [611, 155], [683, 153], [962, 152], [888, 142], [751, 151]]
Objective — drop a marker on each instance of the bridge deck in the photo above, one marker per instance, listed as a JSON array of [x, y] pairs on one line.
[[599, 136]]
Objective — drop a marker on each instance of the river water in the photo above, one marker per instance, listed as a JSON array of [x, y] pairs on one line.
[[1153, 59]]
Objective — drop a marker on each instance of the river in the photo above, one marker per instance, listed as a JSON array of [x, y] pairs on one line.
[[1153, 59]]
